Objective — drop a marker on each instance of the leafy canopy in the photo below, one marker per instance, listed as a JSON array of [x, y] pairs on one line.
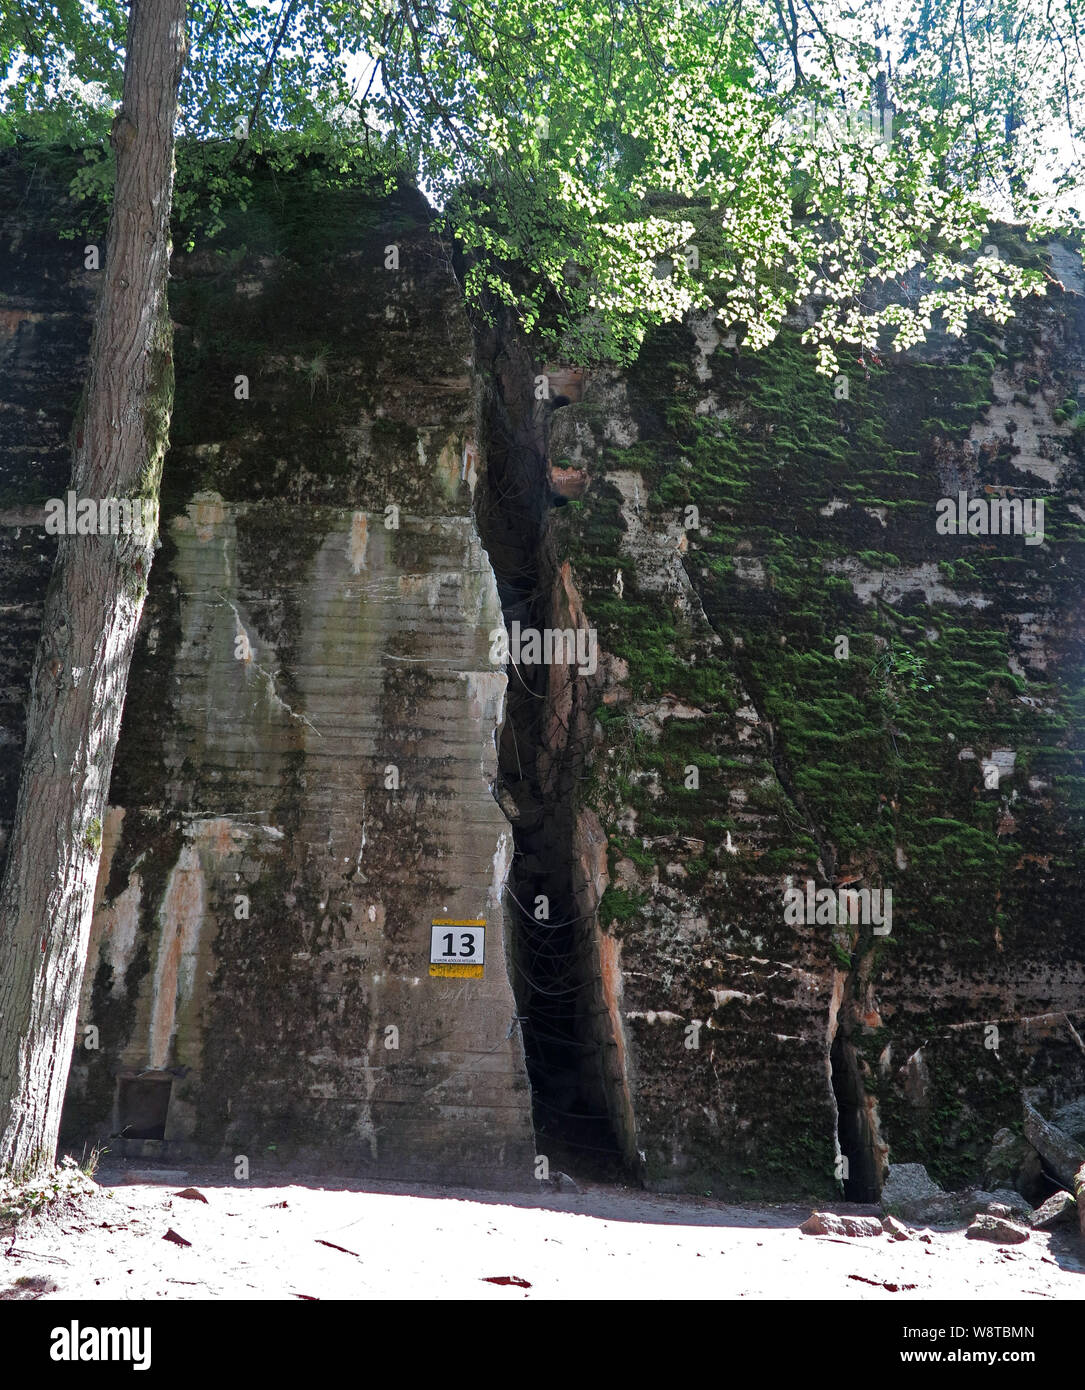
[[610, 164]]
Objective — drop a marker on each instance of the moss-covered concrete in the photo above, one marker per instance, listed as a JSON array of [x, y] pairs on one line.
[[741, 518], [815, 521]]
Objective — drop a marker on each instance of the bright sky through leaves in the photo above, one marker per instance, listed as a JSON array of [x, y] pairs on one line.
[[609, 164]]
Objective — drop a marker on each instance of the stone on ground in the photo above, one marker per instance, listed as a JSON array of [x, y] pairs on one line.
[[827, 1223], [1060, 1209], [950, 1207], [905, 1183], [892, 1227], [997, 1229], [1012, 1162]]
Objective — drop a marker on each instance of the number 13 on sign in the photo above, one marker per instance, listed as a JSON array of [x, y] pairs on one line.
[[457, 947]]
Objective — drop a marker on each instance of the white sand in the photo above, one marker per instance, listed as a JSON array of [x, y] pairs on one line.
[[443, 1243]]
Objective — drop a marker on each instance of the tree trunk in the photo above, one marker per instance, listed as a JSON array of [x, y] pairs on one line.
[[92, 612]]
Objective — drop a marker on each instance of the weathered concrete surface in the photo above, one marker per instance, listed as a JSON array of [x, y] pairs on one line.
[[740, 517], [267, 889], [304, 776], [292, 930]]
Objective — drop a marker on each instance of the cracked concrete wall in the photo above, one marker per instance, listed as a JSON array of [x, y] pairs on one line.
[[735, 517], [264, 906], [303, 781]]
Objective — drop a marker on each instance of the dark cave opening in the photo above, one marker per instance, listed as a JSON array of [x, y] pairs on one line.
[[552, 971], [550, 954], [860, 1176]]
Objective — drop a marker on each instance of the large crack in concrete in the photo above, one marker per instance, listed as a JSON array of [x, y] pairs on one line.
[[567, 986], [566, 1008]]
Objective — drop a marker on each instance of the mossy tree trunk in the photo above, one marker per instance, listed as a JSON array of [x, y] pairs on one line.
[[92, 612]]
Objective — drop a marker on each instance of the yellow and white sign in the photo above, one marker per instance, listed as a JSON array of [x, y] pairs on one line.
[[457, 948]]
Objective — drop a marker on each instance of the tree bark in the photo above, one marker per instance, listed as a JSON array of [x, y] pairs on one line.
[[92, 612]]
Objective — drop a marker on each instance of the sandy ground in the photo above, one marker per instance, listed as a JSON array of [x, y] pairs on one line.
[[394, 1241]]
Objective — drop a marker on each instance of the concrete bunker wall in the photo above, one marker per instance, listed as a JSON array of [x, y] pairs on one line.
[[303, 782], [733, 517], [318, 759]]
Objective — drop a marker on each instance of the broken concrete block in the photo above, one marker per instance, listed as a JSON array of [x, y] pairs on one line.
[[892, 1227], [1070, 1118], [1060, 1209], [959, 1207], [906, 1183], [827, 1223], [1006, 1159], [997, 1229]]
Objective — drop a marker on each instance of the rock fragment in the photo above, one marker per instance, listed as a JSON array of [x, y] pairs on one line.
[[906, 1183], [996, 1229], [1060, 1209], [893, 1228], [827, 1223], [1012, 1162], [960, 1207]]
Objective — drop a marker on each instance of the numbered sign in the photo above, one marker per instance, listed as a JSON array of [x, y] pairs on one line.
[[457, 948]]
